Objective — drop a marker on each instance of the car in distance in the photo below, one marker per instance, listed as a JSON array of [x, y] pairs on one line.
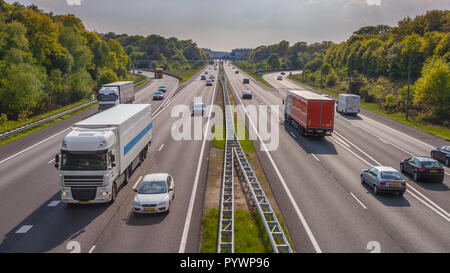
[[232, 67], [158, 95], [211, 77], [280, 78], [236, 72], [442, 154], [283, 73], [203, 77], [140, 71], [247, 94], [162, 88], [198, 109], [384, 179], [245, 81], [209, 83], [423, 168], [154, 194], [206, 72]]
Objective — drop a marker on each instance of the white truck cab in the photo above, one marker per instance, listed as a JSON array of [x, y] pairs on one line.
[[115, 93]]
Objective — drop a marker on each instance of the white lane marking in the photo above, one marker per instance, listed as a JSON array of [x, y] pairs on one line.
[[92, 249], [415, 139], [137, 183], [24, 229], [340, 141], [358, 200], [160, 148], [50, 162], [283, 182], [54, 203], [409, 186], [429, 206], [360, 158], [187, 223], [385, 141], [31, 147], [358, 148], [315, 157], [168, 97], [292, 134]]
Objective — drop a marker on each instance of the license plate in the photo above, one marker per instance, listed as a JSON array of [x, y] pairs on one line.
[[84, 202], [433, 171], [149, 209], [394, 185]]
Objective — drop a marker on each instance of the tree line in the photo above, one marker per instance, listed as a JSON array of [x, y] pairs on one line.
[[376, 62], [156, 51]]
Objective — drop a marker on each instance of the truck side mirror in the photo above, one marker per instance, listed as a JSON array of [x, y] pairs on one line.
[[57, 158], [113, 158], [56, 165], [283, 101]]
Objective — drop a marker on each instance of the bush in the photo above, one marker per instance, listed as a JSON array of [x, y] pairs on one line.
[[390, 103], [331, 79], [3, 118]]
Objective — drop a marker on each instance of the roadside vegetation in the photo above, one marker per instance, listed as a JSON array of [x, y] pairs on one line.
[[375, 63], [49, 61]]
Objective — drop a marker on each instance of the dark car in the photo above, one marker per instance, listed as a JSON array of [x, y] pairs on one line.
[[158, 95], [442, 154], [423, 168], [162, 88], [247, 94], [203, 77], [209, 83], [236, 72], [246, 81], [283, 73]]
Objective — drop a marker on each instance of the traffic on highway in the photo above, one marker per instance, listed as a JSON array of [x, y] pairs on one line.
[[117, 143]]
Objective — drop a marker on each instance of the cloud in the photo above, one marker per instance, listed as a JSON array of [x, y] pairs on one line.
[[227, 24]]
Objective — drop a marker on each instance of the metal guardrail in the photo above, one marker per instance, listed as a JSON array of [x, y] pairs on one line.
[[273, 228], [37, 122], [226, 220]]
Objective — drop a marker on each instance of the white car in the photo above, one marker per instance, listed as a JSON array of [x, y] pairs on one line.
[[154, 194], [198, 109]]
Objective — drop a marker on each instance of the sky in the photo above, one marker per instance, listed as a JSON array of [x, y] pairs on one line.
[[223, 25]]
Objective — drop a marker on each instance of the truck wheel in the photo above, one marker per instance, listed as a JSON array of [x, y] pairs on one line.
[[114, 193]]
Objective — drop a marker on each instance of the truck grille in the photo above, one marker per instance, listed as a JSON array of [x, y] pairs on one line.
[[84, 194], [72, 180]]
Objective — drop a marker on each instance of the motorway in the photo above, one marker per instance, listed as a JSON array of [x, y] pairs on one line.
[[34, 219], [317, 186]]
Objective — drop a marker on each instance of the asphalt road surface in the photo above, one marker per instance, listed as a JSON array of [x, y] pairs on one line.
[[34, 220], [316, 182]]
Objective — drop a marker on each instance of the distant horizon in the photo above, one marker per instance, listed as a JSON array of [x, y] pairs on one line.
[[249, 24]]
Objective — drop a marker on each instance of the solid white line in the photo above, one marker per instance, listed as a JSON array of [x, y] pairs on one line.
[[160, 148], [428, 205], [359, 149], [54, 203], [187, 223], [168, 98], [31, 147], [340, 141], [360, 158], [365, 117], [92, 249], [51, 161], [137, 182], [315, 157], [358, 200], [283, 182], [24, 229], [423, 196]]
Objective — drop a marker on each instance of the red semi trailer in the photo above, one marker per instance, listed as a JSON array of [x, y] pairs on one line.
[[311, 113]]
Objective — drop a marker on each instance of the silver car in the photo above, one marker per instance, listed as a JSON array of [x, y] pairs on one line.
[[384, 179]]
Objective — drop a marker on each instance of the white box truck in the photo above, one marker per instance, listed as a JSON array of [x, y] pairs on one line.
[[115, 93], [348, 104], [98, 156]]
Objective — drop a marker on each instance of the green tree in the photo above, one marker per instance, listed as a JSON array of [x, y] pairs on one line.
[[273, 61]]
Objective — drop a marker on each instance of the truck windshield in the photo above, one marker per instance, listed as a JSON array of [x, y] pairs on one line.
[[106, 97], [83, 162]]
